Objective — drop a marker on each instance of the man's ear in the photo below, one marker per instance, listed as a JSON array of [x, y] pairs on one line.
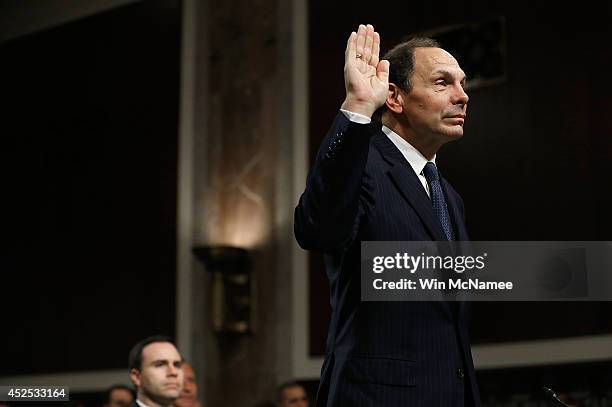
[[395, 101], [135, 377]]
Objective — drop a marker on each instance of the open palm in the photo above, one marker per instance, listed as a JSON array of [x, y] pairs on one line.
[[365, 77]]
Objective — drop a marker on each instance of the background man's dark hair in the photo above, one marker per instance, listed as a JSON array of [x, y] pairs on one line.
[[401, 64], [135, 358], [117, 387]]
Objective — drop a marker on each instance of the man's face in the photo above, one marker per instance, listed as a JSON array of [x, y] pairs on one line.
[[120, 398], [294, 397], [436, 106], [189, 394], [160, 377]]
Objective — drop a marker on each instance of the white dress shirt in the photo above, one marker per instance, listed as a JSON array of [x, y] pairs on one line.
[[414, 157]]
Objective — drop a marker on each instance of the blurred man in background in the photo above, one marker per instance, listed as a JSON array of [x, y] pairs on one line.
[[155, 370], [292, 394], [189, 394], [119, 395]]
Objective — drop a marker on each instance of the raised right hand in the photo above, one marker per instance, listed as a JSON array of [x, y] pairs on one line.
[[366, 79]]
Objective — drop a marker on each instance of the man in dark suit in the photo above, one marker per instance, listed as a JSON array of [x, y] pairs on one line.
[[379, 182], [155, 370]]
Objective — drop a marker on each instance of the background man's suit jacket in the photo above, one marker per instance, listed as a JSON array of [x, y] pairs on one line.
[[380, 353]]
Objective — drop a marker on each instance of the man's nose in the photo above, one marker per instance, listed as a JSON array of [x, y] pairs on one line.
[[460, 97]]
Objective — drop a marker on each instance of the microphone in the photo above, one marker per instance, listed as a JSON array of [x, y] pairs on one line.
[[550, 393]]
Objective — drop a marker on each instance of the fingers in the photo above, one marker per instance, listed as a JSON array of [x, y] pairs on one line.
[[351, 47], [382, 71], [364, 43], [375, 49], [369, 42], [361, 39]]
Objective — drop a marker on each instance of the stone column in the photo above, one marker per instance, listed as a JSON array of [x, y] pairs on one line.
[[243, 195]]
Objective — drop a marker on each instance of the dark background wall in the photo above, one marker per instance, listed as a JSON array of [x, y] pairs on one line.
[[88, 176], [88, 159], [534, 163]]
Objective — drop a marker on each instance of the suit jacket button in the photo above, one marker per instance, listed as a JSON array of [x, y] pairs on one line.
[[460, 373]]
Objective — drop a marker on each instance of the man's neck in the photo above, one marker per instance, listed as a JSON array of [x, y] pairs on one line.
[[145, 401], [426, 146]]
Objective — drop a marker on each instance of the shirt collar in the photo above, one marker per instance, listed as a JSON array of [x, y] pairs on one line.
[[140, 403], [414, 157]]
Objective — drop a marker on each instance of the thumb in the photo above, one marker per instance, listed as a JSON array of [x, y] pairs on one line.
[[382, 70]]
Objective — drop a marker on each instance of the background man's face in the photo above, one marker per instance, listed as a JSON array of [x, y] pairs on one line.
[[294, 397], [189, 394], [120, 398], [160, 377], [437, 104]]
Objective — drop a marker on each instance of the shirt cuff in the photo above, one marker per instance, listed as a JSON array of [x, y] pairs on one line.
[[356, 117]]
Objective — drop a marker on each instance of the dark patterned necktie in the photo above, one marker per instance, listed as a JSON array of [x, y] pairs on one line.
[[437, 199]]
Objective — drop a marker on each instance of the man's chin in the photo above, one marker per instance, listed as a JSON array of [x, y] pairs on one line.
[[453, 132], [171, 394]]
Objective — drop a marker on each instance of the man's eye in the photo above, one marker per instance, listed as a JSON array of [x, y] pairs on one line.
[[441, 82]]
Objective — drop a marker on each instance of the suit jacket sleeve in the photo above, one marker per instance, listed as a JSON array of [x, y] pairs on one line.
[[328, 211]]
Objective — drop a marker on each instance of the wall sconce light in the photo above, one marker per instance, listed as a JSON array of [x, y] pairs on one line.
[[230, 287]]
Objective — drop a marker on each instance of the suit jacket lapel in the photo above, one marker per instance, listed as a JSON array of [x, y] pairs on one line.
[[411, 188], [455, 214], [460, 235], [409, 185]]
